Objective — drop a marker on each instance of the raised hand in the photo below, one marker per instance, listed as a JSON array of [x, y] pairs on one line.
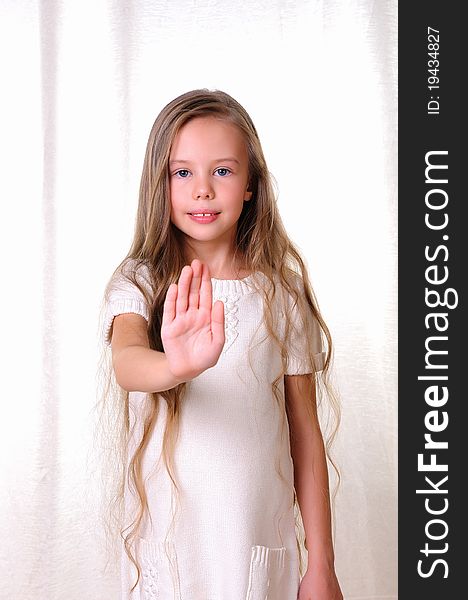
[[192, 330]]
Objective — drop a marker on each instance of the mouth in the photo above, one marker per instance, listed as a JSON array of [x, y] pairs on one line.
[[204, 217], [203, 214]]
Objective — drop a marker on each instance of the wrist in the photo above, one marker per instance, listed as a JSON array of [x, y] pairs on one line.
[[177, 376], [323, 560]]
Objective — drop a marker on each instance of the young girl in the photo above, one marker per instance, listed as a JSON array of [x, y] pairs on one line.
[[217, 340]]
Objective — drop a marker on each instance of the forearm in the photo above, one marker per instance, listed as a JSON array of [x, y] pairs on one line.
[[312, 490], [141, 369]]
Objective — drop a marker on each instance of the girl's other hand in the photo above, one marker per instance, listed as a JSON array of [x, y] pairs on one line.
[[192, 330], [320, 585]]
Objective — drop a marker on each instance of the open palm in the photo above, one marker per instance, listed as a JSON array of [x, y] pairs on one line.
[[192, 330]]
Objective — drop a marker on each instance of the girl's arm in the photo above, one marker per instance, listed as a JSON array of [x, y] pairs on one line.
[[312, 489], [136, 366], [192, 334]]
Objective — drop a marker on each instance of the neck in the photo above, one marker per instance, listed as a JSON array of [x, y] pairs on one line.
[[219, 258]]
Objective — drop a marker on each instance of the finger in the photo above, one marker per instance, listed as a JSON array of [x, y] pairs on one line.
[[183, 289], [205, 289], [194, 292], [217, 322], [169, 308]]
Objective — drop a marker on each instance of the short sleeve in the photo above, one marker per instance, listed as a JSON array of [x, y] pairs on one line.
[[123, 296], [297, 360]]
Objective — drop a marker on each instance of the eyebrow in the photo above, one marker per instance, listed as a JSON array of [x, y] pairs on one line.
[[216, 160]]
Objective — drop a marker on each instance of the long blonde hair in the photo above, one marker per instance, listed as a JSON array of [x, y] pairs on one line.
[[262, 245]]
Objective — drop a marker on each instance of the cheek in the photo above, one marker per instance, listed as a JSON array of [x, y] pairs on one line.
[[178, 193], [174, 200]]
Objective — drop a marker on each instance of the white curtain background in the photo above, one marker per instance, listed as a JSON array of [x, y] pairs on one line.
[[81, 85]]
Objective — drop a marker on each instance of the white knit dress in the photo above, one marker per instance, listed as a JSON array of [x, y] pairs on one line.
[[229, 531]]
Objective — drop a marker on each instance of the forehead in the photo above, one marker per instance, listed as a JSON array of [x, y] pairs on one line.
[[206, 136]]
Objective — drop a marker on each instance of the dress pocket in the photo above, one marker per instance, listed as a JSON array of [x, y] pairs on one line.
[[159, 572], [266, 573]]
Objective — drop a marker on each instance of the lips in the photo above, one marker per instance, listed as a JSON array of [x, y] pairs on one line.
[[204, 216]]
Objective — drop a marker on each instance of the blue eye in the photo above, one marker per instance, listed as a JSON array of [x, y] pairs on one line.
[[182, 173], [222, 171]]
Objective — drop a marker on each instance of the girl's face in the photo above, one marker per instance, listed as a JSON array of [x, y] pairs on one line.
[[208, 170]]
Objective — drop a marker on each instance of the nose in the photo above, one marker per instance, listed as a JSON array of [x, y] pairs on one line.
[[202, 189]]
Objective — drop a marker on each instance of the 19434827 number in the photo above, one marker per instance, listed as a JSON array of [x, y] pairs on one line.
[[433, 61]]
